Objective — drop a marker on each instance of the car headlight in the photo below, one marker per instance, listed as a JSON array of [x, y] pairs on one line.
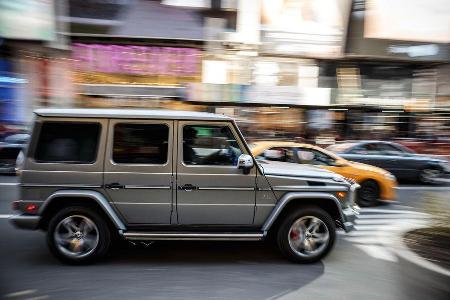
[[390, 176]]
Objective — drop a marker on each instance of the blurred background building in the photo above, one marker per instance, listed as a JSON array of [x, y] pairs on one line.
[[320, 70]]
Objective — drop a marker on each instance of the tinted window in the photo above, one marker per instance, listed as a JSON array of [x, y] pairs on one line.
[[376, 149], [388, 149], [68, 142], [209, 145], [140, 143]]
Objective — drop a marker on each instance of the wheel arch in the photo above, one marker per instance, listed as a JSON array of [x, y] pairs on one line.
[[79, 197], [289, 201]]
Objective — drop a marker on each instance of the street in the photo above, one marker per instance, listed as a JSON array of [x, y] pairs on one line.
[[359, 267]]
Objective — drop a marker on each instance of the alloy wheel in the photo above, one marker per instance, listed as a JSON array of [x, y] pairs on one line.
[[76, 236], [308, 236]]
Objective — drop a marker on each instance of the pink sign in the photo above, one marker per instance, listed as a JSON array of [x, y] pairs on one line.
[[139, 60]]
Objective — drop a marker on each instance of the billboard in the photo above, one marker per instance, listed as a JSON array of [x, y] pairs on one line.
[[312, 28], [27, 19], [137, 60], [408, 20]]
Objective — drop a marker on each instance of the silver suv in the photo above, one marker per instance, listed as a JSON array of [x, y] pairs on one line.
[[146, 175]]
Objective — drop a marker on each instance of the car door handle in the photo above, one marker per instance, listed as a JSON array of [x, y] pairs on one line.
[[188, 187], [114, 186]]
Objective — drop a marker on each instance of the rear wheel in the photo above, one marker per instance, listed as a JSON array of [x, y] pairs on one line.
[[306, 235], [78, 235], [368, 194]]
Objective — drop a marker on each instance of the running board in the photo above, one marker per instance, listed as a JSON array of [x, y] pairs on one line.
[[193, 236]]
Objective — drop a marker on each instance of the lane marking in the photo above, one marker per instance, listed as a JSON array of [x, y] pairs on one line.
[[38, 297], [20, 293], [5, 216], [9, 183]]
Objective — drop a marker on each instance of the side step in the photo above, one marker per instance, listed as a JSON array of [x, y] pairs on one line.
[[193, 236]]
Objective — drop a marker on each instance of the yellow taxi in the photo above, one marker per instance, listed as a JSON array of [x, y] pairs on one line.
[[376, 184]]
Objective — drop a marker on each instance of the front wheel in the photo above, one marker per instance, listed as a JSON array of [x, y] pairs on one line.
[[78, 235], [306, 235], [368, 194]]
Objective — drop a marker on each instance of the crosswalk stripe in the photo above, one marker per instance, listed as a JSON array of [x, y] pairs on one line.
[[388, 221], [392, 216], [389, 211], [378, 252]]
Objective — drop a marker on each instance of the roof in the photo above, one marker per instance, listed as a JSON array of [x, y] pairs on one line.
[[129, 114]]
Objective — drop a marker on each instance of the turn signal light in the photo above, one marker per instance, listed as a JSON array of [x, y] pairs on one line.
[[341, 195]]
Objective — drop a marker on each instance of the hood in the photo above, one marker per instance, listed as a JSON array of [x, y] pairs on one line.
[[296, 170], [366, 167]]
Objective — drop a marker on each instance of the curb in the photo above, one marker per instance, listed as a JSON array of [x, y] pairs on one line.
[[419, 278]]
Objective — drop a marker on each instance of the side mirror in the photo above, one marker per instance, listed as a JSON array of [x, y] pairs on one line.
[[245, 162]]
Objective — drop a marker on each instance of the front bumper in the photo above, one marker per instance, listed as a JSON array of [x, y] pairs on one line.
[[25, 221], [349, 216], [350, 213]]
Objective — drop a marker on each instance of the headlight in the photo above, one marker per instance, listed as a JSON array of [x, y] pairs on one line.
[[390, 176]]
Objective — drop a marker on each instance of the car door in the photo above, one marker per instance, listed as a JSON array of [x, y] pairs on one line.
[[399, 162], [138, 170], [210, 188]]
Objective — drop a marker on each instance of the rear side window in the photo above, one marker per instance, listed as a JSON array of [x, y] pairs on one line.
[[64, 142], [140, 143]]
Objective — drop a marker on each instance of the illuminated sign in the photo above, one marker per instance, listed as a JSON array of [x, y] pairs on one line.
[[136, 60]]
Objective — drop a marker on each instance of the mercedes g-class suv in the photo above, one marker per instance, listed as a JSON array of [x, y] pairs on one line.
[[90, 175]]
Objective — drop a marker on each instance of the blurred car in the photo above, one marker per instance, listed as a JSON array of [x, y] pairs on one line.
[[376, 184], [10, 150], [401, 161]]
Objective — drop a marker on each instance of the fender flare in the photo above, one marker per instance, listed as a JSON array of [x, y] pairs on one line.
[[289, 197], [94, 195]]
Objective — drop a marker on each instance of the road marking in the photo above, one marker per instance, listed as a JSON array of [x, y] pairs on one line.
[[5, 216], [38, 298], [385, 221], [20, 293], [390, 211], [375, 227], [424, 188], [8, 183], [378, 252], [393, 216]]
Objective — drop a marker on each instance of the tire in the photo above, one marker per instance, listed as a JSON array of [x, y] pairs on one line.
[[82, 244], [368, 193], [290, 240], [429, 174]]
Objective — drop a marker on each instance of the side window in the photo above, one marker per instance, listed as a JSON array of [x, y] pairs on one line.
[[140, 143], [314, 157], [280, 154], [68, 142], [388, 149], [209, 145], [364, 149]]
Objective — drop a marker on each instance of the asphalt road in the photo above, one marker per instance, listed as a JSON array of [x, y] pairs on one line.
[[359, 267]]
